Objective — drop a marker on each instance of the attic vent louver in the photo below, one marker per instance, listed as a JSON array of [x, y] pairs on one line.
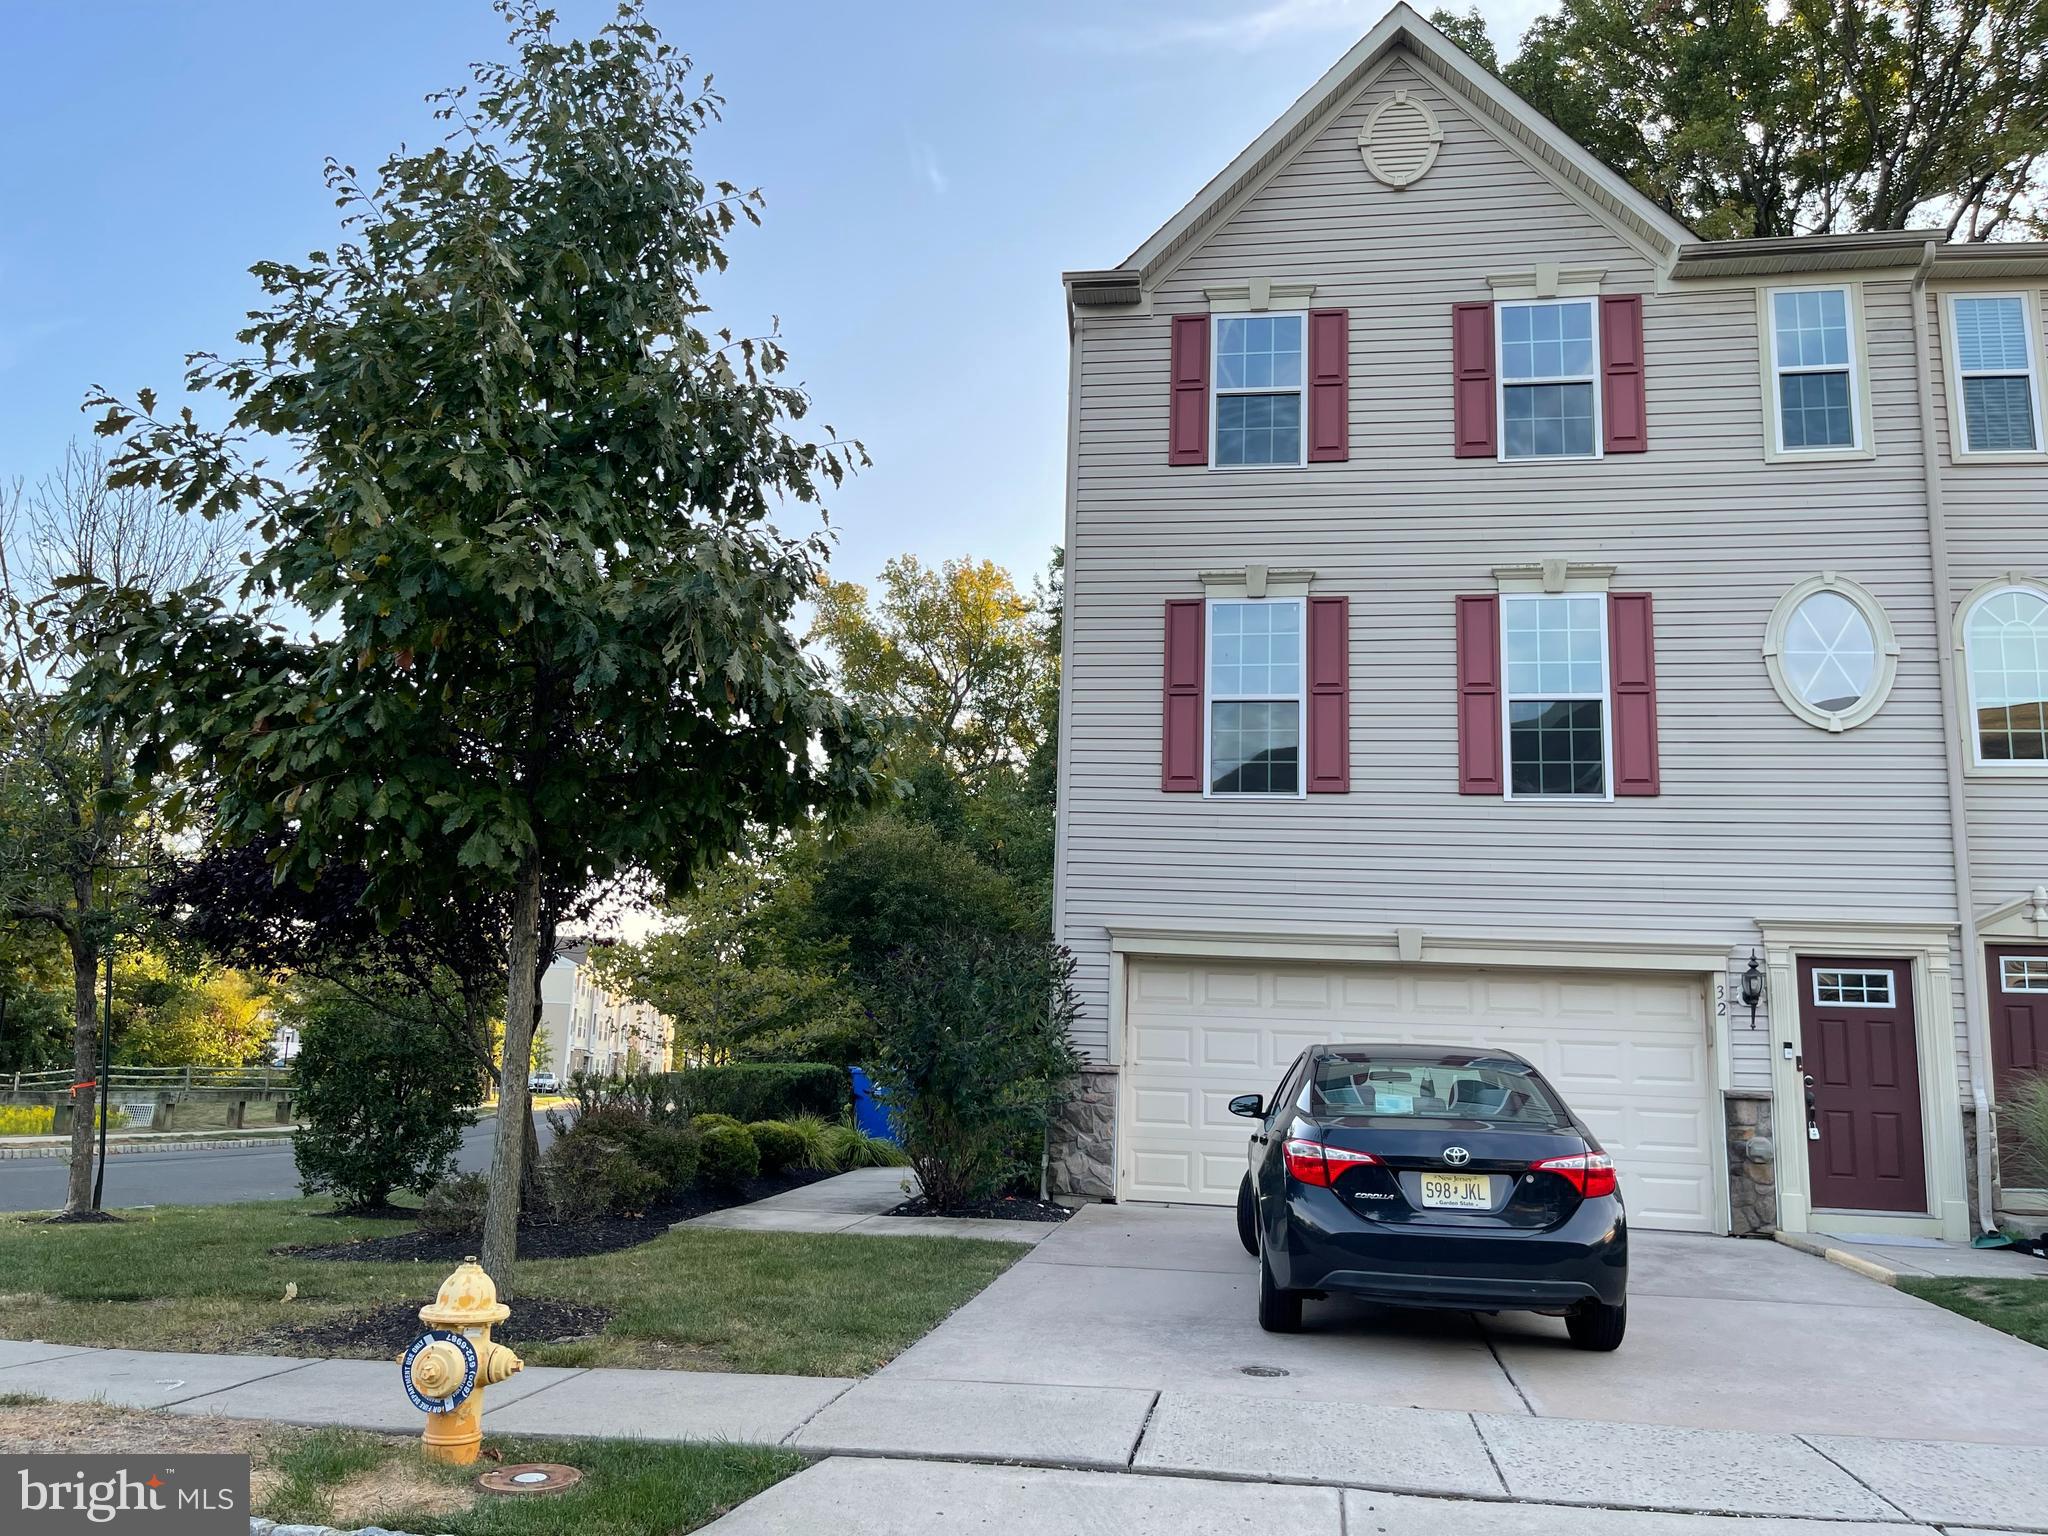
[[1399, 140]]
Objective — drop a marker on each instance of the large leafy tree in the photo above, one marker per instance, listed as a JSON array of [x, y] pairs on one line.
[[1752, 118], [956, 655], [527, 509]]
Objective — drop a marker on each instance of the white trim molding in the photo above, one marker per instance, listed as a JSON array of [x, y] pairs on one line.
[[1547, 280], [1257, 296], [2023, 922], [1928, 949], [1553, 576], [1256, 581], [1884, 641], [1974, 763]]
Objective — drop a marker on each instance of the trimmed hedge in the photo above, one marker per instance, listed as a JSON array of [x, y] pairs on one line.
[[750, 1091]]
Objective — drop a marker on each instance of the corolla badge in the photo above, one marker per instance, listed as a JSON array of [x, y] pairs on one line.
[[1457, 1157]]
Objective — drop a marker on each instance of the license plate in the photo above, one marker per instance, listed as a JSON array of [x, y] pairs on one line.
[[1457, 1191]]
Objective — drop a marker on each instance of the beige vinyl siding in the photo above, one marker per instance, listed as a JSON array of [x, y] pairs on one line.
[[1998, 523], [1761, 815]]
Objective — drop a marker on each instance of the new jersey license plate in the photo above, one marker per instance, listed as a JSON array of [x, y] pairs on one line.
[[1457, 1191]]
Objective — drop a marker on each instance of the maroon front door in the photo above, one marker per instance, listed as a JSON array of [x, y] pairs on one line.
[[2019, 1026], [1864, 1067]]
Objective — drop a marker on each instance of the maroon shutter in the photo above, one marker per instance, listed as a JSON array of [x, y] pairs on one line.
[[1625, 427], [1472, 382], [1188, 421], [1180, 752], [1631, 646], [1329, 695], [1329, 385], [1479, 695]]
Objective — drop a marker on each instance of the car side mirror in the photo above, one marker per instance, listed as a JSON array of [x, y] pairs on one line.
[[1251, 1105]]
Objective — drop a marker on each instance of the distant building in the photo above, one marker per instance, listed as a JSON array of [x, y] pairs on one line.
[[584, 1028], [284, 1045]]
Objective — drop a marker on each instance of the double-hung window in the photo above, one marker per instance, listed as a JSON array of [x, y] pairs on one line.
[[1255, 722], [1556, 695], [1549, 372], [1813, 371], [2005, 654], [1259, 373], [1996, 383]]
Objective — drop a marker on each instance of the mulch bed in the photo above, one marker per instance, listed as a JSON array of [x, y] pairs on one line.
[[555, 1240], [1008, 1208], [389, 1329]]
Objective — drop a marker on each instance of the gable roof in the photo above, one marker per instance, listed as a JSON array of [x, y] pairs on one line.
[[1636, 216]]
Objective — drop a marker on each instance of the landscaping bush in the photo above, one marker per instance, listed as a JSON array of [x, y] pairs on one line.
[[2023, 1124], [456, 1205], [749, 1091], [382, 1099], [973, 1057], [728, 1157], [589, 1176], [635, 1093], [37, 1119], [671, 1153], [779, 1145], [702, 1123]]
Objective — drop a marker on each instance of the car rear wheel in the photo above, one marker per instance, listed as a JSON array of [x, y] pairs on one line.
[[1279, 1311], [1248, 1217], [1597, 1325]]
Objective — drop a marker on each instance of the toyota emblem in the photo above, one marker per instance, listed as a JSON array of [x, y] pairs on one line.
[[1457, 1157]]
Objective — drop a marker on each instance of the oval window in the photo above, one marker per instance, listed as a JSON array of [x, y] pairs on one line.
[[1831, 652]]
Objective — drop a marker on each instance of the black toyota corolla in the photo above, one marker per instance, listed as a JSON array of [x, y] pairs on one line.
[[1424, 1177]]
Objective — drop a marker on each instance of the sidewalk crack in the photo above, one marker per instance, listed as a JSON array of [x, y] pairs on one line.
[[1487, 1339], [1859, 1482], [1144, 1428], [805, 1422], [1491, 1460]]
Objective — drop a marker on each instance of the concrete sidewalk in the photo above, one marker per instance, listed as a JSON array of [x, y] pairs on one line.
[[1889, 1260], [853, 1202], [1195, 1460]]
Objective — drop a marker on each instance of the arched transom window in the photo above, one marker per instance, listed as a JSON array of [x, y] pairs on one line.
[[2005, 646]]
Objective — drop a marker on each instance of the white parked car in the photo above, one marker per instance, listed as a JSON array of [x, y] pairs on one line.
[[543, 1082]]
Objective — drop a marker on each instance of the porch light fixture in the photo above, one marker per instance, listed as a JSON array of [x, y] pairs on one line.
[[1752, 987]]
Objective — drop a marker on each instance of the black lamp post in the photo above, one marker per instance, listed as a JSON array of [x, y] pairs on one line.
[[1753, 987]]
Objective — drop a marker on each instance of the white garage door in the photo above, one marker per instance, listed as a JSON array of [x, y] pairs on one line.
[[1628, 1052]]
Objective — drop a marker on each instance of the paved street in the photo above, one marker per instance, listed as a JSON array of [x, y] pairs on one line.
[[196, 1178]]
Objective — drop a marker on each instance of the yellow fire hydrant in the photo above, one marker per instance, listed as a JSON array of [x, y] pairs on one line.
[[447, 1368]]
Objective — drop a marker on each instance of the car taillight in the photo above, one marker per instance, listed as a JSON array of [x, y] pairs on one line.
[[1590, 1173], [1311, 1162]]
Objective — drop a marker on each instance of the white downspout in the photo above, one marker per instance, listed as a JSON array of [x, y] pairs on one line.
[[1976, 1001]]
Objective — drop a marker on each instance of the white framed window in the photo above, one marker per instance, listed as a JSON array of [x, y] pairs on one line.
[[1554, 705], [2005, 658], [1548, 368], [1816, 395], [1255, 710], [1995, 386], [1258, 414], [1831, 652], [1868, 989], [2023, 973]]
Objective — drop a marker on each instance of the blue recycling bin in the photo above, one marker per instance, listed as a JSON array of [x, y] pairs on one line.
[[871, 1116]]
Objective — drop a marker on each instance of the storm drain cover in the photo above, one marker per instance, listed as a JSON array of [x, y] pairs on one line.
[[530, 1477], [1260, 1370]]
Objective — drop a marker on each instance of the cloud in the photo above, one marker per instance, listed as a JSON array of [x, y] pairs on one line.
[[924, 162], [1270, 23]]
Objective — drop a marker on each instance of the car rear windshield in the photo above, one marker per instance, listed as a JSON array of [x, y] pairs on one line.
[[1479, 1089]]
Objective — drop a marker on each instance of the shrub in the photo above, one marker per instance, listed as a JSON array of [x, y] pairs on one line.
[[748, 1091], [728, 1156], [456, 1205], [671, 1153], [814, 1139], [851, 1148], [2023, 1122], [702, 1123], [37, 1119], [591, 1176], [382, 1100], [780, 1146], [974, 1057], [635, 1093]]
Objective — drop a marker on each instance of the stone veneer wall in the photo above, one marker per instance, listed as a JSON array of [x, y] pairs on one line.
[[1752, 1164], [1084, 1137]]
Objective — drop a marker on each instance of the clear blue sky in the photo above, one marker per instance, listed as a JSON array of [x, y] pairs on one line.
[[930, 169]]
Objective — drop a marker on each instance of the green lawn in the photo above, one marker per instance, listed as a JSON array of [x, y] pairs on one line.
[[203, 1278], [2018, 1306], [629, 1488]]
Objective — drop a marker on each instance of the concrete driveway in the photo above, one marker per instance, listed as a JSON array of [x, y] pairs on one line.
[[1724, 1334]]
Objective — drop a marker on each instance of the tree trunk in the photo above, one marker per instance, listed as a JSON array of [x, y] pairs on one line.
[[515, 1119], [85, 1060]]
